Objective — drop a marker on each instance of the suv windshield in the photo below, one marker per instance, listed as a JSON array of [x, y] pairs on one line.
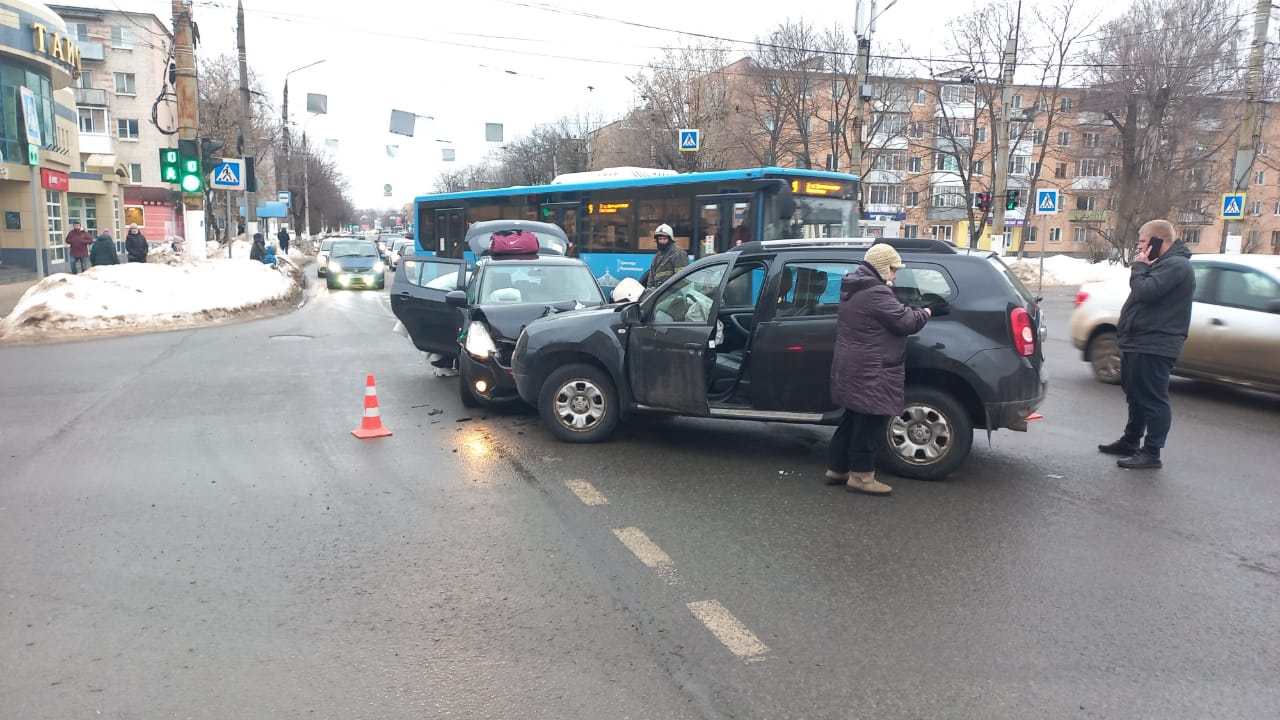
[[515, 283], [352, 247]]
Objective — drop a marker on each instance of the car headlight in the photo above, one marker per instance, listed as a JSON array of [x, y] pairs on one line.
[[478, 343], [335, 266], [379, 267]]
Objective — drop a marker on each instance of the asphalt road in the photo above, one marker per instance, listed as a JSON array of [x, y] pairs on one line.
[[189, 530]]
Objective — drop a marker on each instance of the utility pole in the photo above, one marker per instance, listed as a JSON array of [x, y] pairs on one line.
[[1000, 163], [246, 126], [188, 121], [284, 127], [863, 60], [1250, 130]]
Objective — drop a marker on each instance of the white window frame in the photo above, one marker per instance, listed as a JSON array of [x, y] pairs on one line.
[[54, 228], [130, 83], [129, 130], [915, 164], [1055, 235], [1089, 167], [135, 173], [1064, 138], [1091, 139], [121, 38], [93, 114], [1080, 235], [945, 231]]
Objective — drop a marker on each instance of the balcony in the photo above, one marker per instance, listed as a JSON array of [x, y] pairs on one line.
[[1088, 216], [92, 51], [96, 144], [946, 214], [1087, 182], [91, 96], [1195, 218]]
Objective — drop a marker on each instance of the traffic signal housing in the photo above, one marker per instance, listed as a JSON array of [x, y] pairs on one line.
[[208, 148], [190, 178], [169, 162], [984, 201], [1011, 199]]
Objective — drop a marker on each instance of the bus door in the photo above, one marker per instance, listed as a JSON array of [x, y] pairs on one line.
[[451, 230], [723, 221], [565, 215]]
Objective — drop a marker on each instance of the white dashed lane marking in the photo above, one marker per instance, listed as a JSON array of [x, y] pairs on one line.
[[643, 548], [586, 492], [728, 630]]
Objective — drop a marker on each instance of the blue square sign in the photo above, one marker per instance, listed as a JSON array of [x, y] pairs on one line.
[[1046, 201], [690, 140], [1233, 206]]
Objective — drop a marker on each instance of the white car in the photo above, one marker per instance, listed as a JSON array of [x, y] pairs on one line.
[[1235, 323]]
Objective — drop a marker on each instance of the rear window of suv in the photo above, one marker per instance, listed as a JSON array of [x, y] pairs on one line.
[[998, 264]]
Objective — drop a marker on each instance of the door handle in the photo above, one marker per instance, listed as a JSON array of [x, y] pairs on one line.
[[1218, 322], [692, 347]]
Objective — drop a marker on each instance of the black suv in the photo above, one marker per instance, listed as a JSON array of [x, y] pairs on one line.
[[476, 313], [749, 335]]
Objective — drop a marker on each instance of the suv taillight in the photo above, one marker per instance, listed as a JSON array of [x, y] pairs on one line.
[[1081, 297], [1024, 336]]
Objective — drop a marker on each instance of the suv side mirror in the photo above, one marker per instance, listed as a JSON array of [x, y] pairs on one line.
[[1274, 307], [631, 314], [456, 298]]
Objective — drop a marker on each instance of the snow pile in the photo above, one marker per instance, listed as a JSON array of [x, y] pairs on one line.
[[137, 296], [1066, 270]]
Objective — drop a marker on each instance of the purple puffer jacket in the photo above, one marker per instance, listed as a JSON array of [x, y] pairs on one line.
[[867, 373]]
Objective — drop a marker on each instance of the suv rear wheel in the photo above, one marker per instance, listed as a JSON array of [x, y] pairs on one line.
[[578, 403], [930, 438]]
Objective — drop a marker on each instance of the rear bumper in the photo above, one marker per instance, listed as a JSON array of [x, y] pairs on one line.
[[1015, 387]]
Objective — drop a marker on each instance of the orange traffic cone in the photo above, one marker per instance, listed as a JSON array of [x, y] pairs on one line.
[[371, 424]]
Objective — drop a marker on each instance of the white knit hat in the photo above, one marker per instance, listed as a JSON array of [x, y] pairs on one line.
[[883, 258]]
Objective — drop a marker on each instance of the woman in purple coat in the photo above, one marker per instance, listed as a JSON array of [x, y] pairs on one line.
[[868, 376]]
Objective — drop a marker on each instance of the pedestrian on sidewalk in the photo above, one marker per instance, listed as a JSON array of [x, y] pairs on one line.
[[1152, 329], [270, 257], [78, 242], [868, 375], [103, 251], [259, 248], [135, 245], [283, 237]]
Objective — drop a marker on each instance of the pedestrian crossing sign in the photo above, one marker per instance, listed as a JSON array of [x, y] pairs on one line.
[[1046, 201], [690, 140], [228, 175], [1233, 206]]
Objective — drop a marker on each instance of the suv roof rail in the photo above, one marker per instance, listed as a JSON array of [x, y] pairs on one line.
[[920, 245], [806, 242]]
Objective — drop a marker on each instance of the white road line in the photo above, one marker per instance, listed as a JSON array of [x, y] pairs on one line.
[[586, 492], [643, 548], [735, 636]]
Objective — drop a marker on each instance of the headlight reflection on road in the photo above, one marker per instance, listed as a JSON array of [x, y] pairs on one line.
[[477, 452]]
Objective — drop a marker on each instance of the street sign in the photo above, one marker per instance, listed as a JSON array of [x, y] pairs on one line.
[[1233, 206], [285, 197], [1046, 201], [228, 175], [690, 140]]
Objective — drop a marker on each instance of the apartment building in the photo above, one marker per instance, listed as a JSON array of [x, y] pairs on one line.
[[930, 151], [123, 101]]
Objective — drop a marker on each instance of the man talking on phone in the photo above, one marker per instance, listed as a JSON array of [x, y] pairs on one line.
[[1152, 328]]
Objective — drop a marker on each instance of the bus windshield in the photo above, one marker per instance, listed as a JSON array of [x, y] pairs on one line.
[[823, 217]]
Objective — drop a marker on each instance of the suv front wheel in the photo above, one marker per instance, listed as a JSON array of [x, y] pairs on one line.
[[578, 403], [930, 438]]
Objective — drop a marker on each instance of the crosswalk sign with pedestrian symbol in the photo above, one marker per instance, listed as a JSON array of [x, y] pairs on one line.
[[1233, 206], [690, 140], [1046, 201], [228, 175]]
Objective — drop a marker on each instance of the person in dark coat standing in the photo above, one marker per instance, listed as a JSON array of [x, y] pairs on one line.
[[135, 245], [868, 374], [78, 242], [103, 251], [1153, 326], [259, 248], [667, 261], [283, 237]]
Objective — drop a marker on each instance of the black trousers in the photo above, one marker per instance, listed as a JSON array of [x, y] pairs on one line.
[[1145, 379], [853, 447]]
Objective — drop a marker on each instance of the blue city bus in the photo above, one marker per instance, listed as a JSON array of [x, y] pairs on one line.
[[610, 215]]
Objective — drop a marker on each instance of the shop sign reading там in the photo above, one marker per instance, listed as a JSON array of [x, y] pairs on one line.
[[56, 46]]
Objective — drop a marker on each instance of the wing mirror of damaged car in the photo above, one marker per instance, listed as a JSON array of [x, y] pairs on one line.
[[631, 314], [456, 298], [1274, 307]]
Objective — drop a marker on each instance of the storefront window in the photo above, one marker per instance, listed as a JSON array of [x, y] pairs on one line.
[[12, 134], [84, 211], [57, 239]]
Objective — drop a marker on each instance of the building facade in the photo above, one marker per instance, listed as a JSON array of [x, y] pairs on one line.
[[123, 100], [43, 183]]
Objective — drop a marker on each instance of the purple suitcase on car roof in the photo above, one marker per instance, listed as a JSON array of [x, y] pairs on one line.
[[515, 242]]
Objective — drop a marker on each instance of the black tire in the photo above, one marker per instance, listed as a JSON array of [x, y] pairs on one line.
[[1104, 357], [930, 439], [578, 403], [465, 395]]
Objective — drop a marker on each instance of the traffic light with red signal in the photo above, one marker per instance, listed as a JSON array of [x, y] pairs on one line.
[[984, 202]]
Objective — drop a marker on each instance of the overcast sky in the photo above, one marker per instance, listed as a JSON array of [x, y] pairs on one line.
[[516, 62]]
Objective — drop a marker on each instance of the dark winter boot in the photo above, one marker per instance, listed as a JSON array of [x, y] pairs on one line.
[[1121, 447], [1141, 460]]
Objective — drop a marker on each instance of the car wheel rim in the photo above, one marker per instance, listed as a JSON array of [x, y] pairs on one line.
[[921, 435], [580, 405], [1106, 360]]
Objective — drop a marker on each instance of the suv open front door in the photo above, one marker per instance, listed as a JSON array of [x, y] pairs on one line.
[[672, 348], [418, 300]]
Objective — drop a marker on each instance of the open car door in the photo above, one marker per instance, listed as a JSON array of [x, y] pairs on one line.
[[418, 301]]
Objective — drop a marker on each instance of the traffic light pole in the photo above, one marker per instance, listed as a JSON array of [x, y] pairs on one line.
[[188, 123], [246, 129], [1000, 165]]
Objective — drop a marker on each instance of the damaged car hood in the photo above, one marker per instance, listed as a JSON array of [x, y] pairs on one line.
[[508, 320]]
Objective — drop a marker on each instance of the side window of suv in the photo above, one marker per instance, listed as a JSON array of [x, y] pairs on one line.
[[919, 284], [691, 298], [811, 289]]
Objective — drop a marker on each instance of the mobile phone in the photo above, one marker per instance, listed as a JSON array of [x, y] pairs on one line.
[[1154, 247]]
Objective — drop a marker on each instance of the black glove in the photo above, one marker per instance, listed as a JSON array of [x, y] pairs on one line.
[[939, 307]]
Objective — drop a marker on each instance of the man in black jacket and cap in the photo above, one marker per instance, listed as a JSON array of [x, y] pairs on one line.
[[1152, 329]]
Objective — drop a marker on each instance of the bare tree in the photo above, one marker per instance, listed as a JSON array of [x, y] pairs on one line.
[[794, 65], [1163, 74], [687, 88]]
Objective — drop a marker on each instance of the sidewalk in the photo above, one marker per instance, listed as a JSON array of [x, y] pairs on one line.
[[13, 283]]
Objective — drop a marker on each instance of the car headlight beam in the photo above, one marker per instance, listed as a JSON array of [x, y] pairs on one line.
[[335, 266], [379, 267], [479, 344]]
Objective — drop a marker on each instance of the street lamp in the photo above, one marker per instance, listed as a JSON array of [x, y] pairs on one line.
[[287, 174], [306, 175]]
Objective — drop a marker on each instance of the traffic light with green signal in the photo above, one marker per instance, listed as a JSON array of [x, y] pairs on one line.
[[190, 179], [169, 162], [1011, 199]]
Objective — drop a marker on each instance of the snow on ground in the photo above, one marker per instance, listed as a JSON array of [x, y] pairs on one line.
[[151, 295], [1066, 270]]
